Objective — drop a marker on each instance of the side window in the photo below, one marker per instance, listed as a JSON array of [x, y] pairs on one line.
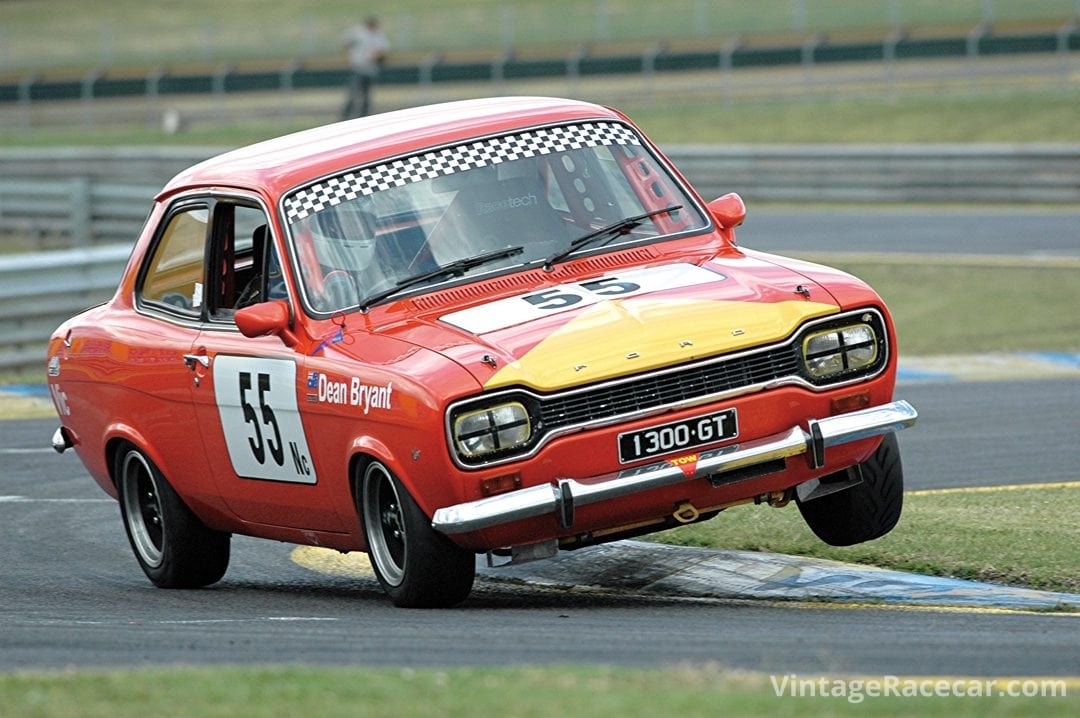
[[244, 261], [175, 277]]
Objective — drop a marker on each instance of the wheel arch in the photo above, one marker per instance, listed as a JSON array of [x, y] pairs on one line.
[[120, 435], [367, 449]]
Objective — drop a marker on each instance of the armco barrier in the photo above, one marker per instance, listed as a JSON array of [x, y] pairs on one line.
[[1046, 173], [74, 212], [79, 197], [39, 291]]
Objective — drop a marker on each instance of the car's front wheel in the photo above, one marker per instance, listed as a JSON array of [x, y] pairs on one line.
[[416, 566], [173, 547], [865, 511]]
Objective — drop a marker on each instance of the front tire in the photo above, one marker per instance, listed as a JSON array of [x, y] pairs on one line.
[[867, 510], [173, 547], [416, 566]]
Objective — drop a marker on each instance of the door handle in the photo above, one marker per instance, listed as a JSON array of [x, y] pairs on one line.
[[192, 359]]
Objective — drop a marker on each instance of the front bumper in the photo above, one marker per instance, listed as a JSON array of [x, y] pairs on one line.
[[561, 497]]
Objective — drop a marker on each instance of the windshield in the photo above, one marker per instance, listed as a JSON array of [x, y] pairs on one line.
[[364, 232]]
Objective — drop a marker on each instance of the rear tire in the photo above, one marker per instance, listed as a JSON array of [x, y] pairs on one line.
[[865, 511], [173, 547], [416, 566]]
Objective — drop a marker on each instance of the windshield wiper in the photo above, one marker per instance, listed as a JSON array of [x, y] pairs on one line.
[[456, 268], [610, 231]]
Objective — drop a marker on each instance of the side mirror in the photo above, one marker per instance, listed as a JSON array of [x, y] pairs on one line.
[[266, 319], [729, 211]]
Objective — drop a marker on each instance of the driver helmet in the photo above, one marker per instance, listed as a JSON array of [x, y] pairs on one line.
[[343, 237]]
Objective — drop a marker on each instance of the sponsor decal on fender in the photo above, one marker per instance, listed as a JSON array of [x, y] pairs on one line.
[[60, 400], [335, 337], [352, 392]]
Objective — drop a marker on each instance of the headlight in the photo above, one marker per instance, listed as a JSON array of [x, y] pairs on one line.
[[496, 428], [838, 351]]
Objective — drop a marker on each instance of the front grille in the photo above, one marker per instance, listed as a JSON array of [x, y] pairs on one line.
[[669, 388], [698, 382]]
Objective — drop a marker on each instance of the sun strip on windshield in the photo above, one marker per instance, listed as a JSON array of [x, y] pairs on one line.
[[447, 161]]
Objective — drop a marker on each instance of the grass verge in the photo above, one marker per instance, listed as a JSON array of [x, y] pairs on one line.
[[1009, 117], [466, 692], [949, 306], [993, 117], [1018, 536]]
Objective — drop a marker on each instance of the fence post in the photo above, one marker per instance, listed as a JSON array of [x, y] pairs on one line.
[[81, 234], [573, 67], [648, 70], [217, 89], [87, 96], [806, 55], [427, 72], [26, 83], [974, 37], [727, 63], [1063, 34], [285, 82]]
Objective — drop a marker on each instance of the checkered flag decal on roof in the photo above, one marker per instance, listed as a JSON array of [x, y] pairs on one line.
[[430, 165]]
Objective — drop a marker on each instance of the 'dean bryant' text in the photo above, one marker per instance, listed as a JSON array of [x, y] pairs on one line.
[[355, 393]]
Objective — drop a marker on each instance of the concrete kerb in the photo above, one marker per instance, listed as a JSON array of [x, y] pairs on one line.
[[664, 570]]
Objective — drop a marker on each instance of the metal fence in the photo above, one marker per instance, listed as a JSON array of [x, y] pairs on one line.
[[71, 212], [39, 291], [152, 83], [85, 197], [109, 203], [1046, 173], [114, 35]]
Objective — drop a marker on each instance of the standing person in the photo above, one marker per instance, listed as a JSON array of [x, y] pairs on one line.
[[366, 46]]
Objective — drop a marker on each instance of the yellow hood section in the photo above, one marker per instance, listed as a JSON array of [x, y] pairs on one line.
[[620, 337]]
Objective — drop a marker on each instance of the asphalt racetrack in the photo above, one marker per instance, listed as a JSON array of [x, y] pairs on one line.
[[71, 594]]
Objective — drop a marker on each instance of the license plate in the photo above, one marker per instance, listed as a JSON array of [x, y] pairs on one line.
[[656, 440]]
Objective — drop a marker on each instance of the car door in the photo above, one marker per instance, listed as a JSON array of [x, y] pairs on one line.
[[245, 390], [146, 361]]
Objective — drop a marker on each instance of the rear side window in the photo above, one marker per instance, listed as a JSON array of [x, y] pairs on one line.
[[175, 276]]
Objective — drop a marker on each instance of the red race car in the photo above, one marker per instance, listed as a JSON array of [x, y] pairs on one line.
[[504, 326]]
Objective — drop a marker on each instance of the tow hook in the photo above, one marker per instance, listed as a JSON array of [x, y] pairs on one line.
[[685, 513], [776, 499]]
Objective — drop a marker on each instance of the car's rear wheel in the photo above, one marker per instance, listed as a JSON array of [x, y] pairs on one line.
[[173, 547], [865, 511], [416, 566]]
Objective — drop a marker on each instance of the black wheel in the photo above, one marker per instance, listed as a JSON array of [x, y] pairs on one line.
[[416, 566], [173, 547], [865, 511]]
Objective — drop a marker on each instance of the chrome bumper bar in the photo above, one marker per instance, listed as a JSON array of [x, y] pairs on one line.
[[561, 497]]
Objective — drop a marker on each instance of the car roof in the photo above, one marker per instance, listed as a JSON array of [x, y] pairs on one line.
[[275, 166]]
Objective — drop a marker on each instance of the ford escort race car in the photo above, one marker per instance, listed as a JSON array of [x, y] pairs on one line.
[[504, 327]]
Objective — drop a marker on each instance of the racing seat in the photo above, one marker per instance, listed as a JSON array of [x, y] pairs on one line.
[[266, 282], [252, 293]]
